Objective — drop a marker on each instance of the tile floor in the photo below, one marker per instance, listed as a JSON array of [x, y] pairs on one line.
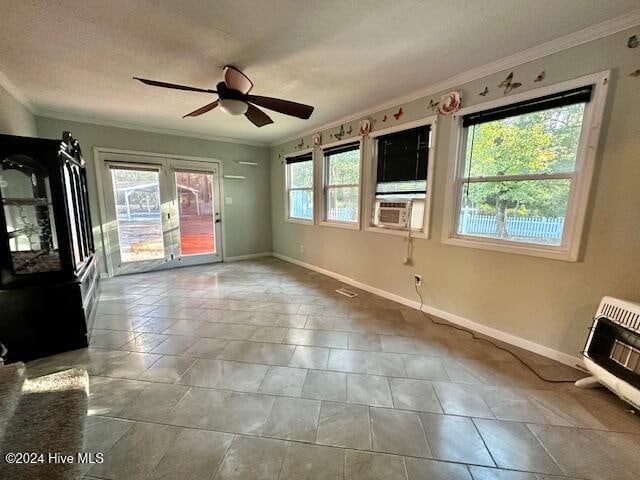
[[259, 370]]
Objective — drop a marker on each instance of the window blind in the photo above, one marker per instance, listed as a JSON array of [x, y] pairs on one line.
[[143, 167], [306, 157], [556, 100], [349, 147], [403, 156]]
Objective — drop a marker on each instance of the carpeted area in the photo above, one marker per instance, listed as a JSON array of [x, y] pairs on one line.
[[47, 421], [11, 380]]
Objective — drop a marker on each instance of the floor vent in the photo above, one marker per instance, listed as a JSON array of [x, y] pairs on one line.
[[346, 293]]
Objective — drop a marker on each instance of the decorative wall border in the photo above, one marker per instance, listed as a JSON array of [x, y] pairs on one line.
[[580, 37]]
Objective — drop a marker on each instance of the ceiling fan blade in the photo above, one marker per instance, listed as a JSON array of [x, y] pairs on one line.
[[287, 107], [156, 83], [257, 116], [236, 80], [202, 110]]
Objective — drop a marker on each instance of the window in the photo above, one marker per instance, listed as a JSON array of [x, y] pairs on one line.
[[402, 160], [299, 179], [342, 183], [523, 172]]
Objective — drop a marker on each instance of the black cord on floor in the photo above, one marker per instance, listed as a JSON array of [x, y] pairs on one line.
[[475, 337]]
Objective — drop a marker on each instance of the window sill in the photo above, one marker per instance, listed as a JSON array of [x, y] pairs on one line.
[[299, 221], [399, 232], [554, 253], [348, 226]]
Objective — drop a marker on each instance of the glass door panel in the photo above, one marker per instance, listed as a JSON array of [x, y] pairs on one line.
[[28, 210], [196, 213], [74, 215], [197, 236], [138, 216], [137, 204]]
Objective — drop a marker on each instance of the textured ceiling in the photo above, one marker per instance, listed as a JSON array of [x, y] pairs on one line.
[[77, 57]]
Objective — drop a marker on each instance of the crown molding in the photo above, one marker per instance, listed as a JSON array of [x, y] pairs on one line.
[[588, 34], [71, 117], [16, 93]]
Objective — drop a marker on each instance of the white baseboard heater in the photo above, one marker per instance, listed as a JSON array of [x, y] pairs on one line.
[[612, 352]]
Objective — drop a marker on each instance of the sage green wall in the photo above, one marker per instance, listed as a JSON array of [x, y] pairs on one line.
[[246, 222], [15, 118], [549, 302]]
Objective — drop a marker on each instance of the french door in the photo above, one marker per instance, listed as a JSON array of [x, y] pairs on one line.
[[161, 212], [196, 232]]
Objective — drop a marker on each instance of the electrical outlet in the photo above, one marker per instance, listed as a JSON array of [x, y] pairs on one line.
[[418, 280], [301, 248]]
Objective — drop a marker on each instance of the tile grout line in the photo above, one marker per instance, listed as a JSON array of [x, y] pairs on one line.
[[302, 442], [284, 457], [304, 327], [424, 435], [484, 442], [226, 451], [544, 447], [246, 392], [479, 357], [152, 352]]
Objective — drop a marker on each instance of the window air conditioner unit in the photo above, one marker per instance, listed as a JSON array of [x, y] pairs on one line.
[[612, 352], [394, 213]]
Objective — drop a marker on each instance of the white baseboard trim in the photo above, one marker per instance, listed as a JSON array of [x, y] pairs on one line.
[[247, 257], [561, 357]]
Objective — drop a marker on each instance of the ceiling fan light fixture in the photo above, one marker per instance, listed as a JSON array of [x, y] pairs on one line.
[[233, 106]]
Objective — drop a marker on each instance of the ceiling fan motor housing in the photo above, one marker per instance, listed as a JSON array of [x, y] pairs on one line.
[[225, 92], [232, 101]]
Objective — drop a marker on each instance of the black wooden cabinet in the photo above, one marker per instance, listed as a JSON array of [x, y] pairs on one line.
[[49, 277]]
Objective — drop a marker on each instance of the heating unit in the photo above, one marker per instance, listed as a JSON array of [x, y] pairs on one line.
[[612, 352]]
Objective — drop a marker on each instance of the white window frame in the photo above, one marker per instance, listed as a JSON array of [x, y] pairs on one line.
[[581, 177], [424, 232], [323, 191], [287, 188]]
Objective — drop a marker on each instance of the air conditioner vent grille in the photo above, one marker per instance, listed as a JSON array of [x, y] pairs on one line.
[[388, 215], [394, 213]]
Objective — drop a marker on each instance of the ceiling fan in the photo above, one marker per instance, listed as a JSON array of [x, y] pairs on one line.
[[234, 99]]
